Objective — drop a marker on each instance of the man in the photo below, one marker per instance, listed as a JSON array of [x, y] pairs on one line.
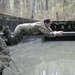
[[8, 35], [32, 28], [4, 55], [37, 27]]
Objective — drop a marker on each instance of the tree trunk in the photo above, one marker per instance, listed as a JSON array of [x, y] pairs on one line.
[[33, 7], [46, 5]]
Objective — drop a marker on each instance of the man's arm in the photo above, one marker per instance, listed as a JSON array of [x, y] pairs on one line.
[[49, 33], [46, 32]]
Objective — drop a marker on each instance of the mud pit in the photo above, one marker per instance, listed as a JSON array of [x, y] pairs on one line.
[[33, 56]]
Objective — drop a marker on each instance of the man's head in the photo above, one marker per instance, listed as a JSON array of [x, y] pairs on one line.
[[6, 28], [47, 22]]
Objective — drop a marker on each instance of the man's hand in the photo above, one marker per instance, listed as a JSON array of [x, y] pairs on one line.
[[59, 33]]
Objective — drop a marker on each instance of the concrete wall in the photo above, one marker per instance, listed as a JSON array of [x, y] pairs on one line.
[[13, 21]]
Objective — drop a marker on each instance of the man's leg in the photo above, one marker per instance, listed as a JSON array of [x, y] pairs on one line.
[[1, 72]]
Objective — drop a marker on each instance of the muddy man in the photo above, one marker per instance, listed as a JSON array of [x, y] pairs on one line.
[[43, 27]]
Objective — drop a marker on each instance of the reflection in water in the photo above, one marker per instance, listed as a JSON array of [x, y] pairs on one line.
[[43, 58], [59, 67]]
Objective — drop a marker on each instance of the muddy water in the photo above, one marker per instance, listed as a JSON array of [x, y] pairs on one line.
[[35, 57]]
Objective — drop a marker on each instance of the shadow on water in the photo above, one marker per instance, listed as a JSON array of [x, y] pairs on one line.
[[66, 38], [47, 39]]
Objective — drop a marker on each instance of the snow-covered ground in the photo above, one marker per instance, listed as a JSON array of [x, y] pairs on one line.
[[36, 57]]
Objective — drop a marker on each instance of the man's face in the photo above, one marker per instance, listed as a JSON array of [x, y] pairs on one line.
[[48, 24]]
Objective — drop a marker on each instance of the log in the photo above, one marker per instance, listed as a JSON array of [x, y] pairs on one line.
[[68, 33]]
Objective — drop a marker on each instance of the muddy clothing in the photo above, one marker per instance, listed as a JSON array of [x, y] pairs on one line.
[[28, 29], [4, 55], [11, 39], [33, 28], [7, 34]]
